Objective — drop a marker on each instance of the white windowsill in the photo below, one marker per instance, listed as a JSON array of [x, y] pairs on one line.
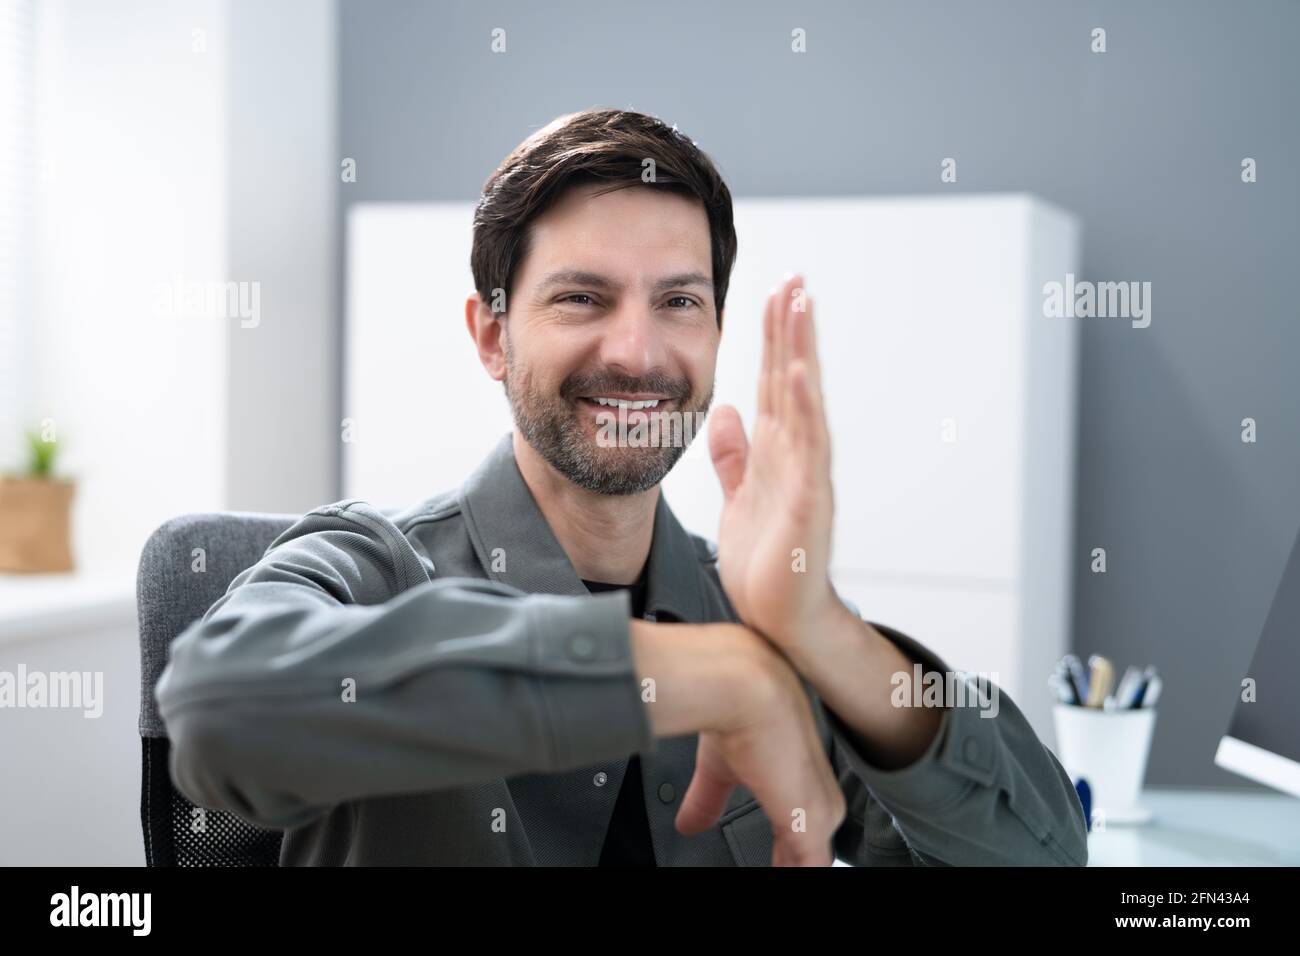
[[43, 605]]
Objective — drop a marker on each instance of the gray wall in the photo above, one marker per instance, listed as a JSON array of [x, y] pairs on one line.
[[1144, 142]]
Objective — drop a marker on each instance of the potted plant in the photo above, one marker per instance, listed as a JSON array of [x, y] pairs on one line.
[[35, 513]]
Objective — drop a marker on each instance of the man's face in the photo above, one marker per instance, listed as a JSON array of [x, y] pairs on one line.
[[612, 303]]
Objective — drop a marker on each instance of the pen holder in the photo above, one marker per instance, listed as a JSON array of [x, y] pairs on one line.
[[1109, 749]]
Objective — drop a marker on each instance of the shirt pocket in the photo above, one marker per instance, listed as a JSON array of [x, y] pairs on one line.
[[748, 832]]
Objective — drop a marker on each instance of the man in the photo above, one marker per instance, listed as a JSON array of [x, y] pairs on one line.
[[544, 667]]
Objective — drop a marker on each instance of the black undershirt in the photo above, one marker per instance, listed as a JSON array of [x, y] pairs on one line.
[[627, 843]]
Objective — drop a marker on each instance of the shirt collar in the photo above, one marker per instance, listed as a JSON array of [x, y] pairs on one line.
[[500, 512]]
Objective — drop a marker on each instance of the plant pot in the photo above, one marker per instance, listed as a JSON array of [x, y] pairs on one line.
[[35, 524]]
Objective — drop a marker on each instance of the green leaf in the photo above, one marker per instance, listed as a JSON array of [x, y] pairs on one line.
[[40, 462]]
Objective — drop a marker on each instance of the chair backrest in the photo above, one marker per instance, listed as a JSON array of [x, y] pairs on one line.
[[185, 566]]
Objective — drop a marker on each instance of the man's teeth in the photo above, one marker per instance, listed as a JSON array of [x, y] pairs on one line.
[[624, 403]]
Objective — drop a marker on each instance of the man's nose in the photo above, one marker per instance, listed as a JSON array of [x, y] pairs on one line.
[[633, 341]]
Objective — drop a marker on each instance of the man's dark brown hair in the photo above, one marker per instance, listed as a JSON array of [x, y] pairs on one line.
[[595, 145]]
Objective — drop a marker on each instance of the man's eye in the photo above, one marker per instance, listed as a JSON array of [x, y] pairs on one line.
[[685, 300]]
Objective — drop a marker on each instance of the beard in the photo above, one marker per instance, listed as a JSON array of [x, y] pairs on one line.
[[557, 428]]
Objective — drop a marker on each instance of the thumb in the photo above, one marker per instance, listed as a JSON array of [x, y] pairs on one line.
[[728, 447]]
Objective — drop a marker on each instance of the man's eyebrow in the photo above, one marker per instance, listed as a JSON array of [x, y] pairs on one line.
[[682, 280], [594, 280]]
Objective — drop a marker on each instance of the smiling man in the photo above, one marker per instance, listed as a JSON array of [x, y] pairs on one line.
[[543, 666]]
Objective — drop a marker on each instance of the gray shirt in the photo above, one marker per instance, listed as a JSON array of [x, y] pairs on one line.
[[435, 686]]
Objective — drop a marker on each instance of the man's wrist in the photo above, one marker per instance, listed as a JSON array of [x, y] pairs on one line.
[[699, 677], [815, 646], [852, 665]]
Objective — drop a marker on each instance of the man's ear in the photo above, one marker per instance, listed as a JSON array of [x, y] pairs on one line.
[[485, 328]]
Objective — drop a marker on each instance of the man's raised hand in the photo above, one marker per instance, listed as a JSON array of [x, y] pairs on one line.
[[774, 541]]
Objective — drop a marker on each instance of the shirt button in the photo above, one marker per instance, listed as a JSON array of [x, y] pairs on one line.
[[666, 792], [600, 779], [581, 647], [971, 750]]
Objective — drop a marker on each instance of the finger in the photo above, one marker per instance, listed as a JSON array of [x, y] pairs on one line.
[[810, 848], [781, 855], [765, 374], [796, 849], [791, 293], [800, 393], [804, 413], [805, 342], [706, 798], [728, 447], [812, 855], [807, 846], [825, 809], [780, 347], [815, 379]]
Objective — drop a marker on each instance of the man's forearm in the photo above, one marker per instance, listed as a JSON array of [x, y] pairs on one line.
[[851, 665]]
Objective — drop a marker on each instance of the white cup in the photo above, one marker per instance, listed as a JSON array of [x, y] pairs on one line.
[[1109, 749]]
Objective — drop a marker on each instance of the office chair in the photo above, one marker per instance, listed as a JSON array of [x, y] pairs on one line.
[[185, 566]]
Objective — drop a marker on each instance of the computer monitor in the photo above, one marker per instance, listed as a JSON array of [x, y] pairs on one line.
[[1263, 740]]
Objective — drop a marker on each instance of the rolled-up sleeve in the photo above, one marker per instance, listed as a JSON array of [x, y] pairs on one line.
[[985, 792]]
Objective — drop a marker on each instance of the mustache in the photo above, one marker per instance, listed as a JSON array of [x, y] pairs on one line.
[[577, 385]]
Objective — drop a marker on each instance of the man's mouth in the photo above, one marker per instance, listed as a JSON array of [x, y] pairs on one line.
[[631, 403]]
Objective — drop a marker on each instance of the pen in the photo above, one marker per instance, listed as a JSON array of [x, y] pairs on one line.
[[1061, 688], [1130, 685], [1099, 680], [1078, 679], [1097, 688], [1152, 692]]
